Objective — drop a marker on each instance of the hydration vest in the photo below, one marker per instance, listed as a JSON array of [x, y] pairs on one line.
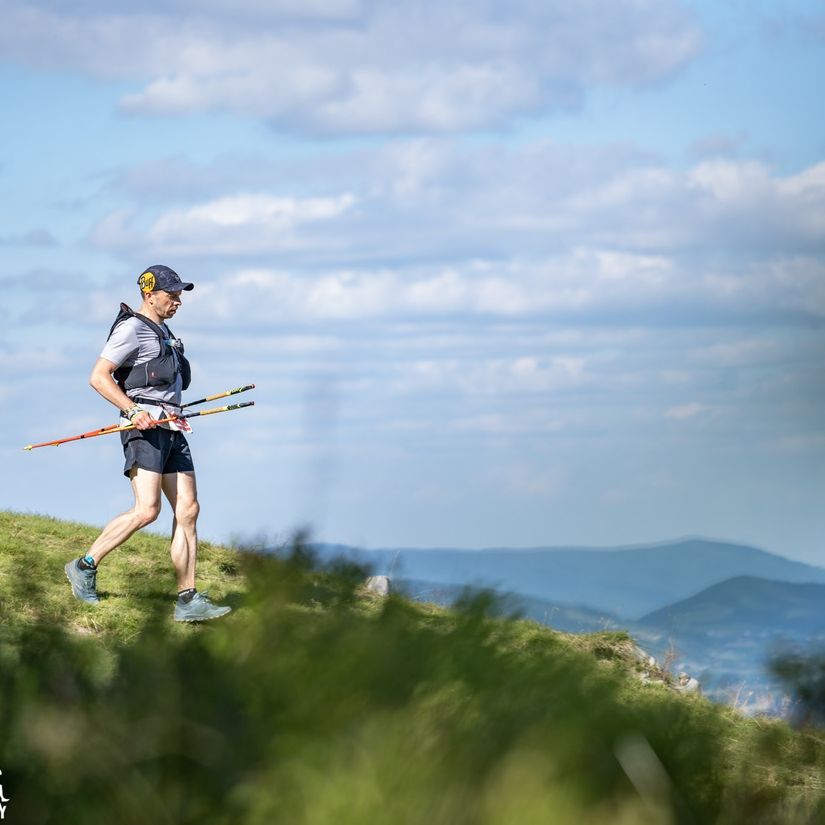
[[161, 371]]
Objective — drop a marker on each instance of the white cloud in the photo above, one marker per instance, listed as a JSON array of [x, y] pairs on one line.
[[272, 9], [538, 230], [429, 98], [505, 289], [235, 224], [637, 289], [273, 213], [753, 203], [349, 67], [437, 199]]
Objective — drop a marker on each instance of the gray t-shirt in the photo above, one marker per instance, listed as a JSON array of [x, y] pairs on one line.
[[133, 342]]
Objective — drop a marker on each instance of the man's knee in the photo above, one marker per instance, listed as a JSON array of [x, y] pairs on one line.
[[147, 513], [187, 512]]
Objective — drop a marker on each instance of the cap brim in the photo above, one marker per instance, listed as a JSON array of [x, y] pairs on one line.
[[181, 287]]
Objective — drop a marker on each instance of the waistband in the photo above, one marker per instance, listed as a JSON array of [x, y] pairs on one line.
[[140, 399]]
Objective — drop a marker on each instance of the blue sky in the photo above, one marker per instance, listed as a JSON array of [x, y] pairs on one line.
[[505, 274]]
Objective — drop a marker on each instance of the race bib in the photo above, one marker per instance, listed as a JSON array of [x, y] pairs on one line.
[[180, 424]]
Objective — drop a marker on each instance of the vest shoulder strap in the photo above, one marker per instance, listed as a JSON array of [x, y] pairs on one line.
[[127, 312]]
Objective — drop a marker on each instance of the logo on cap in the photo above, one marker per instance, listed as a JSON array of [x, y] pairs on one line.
[[146, 282], [156, 278]]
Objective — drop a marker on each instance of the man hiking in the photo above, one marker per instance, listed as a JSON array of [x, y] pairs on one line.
[[142, 370]]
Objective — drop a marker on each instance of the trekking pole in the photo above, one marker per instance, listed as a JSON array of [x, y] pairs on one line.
[[213, 410], [219, 395], [115, 428], [102, 431]]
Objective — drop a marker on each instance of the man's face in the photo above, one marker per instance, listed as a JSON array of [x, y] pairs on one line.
[[165, 303]]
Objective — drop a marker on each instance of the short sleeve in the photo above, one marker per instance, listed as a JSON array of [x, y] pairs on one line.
[[122, 346]]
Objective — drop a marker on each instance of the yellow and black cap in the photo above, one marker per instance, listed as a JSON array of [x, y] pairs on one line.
[[158, 277]]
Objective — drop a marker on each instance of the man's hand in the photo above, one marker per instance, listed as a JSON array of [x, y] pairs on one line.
[[144, 421]]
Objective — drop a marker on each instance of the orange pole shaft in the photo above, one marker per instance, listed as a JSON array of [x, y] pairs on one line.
[[115, 428]]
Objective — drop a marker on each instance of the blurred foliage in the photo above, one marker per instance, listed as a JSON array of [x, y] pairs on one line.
[[803, 676], [317, 703]]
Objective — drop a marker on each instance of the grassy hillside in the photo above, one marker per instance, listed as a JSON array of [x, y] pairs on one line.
[[136, 582], [315, 703]]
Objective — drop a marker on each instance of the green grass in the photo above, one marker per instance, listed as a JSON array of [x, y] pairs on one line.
[[136, 581], [316, 703]]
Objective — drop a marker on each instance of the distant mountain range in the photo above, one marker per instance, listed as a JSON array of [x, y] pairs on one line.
[[628, 582], [569, 618], [727, 634], [746, 606], [715, 609]]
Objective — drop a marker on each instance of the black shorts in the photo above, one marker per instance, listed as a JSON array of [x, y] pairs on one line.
[[159, 450]]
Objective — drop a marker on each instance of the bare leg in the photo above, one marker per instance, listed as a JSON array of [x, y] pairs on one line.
[[182, 492], [146, 487]]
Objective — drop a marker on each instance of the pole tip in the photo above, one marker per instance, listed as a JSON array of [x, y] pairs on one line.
[[29, 447]]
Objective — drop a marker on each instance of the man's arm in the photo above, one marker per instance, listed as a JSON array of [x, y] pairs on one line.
[[102, 381]]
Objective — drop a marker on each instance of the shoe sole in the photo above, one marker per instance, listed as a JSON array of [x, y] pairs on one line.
[[202, 618], [74, 592]]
